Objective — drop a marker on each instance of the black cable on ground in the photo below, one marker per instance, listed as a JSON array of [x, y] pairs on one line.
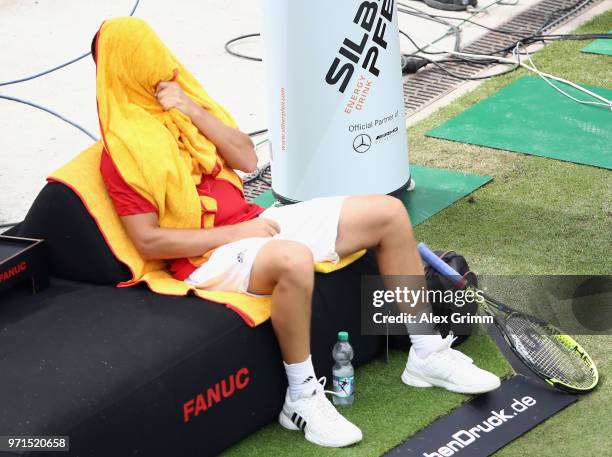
[[239, 55], [46, 72], [497, 30], [567, 9], [419, 49], [413, 62], [439, 19], [529, 39], [526, 39], [47, 110], [473, 78], [70, 62], [546, 38], [492, 29], [423, 14], [549, 22]]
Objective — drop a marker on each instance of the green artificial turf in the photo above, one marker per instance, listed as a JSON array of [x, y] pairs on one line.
[[600, 46], [574, 132], [539, 216], [436, 189], [386, 410]]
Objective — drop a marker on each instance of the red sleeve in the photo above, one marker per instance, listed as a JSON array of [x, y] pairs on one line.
[[127, 201]]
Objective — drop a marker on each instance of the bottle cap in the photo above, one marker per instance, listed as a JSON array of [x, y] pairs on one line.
[[342, 336]]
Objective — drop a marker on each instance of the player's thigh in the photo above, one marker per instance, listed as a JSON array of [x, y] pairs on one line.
[[364, 220], [277, 258]]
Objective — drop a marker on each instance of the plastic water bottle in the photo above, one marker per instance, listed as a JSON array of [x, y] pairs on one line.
[[343, 372]]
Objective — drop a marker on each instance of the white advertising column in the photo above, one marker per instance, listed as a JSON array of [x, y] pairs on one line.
[[335, 97]]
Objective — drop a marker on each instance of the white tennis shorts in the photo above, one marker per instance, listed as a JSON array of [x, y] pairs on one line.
[[313, 223]]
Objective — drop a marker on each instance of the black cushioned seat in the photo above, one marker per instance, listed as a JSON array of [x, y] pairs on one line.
[[77, 250], [114, 368]]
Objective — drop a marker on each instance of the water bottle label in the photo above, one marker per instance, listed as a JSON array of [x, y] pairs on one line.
[[344, 386]]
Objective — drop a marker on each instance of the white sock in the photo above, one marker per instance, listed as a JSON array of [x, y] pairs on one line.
[[425, 344], [301, 377], [424, 338]]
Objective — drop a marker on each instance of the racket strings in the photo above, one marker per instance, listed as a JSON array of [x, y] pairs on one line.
[[548, 353]]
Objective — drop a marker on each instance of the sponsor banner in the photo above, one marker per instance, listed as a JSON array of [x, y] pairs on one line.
[[335, 98], [485, 424]]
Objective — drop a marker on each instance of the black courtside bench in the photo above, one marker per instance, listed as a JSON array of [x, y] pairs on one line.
[[126, 372]]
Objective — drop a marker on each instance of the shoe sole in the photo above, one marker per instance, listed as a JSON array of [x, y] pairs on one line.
[[417, 380], [286, 423]]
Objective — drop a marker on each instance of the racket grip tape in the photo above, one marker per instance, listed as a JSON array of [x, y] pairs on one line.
[[439, 265]]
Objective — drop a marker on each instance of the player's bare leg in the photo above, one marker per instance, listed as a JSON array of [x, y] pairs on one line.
[[382, 222], [285, 269]]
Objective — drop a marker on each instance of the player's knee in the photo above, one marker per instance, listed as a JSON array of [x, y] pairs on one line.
[[295, 262], [392, 210]]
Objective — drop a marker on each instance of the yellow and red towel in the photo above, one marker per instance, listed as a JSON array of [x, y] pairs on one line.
[[160, 154]]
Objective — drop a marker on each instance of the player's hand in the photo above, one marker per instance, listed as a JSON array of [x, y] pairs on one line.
[[171, 95], [257, 228]]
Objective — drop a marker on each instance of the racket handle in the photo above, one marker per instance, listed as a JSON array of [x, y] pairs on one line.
[[439, 265]]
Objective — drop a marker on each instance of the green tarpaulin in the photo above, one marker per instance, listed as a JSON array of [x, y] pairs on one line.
[[435, 190], [530, 117]]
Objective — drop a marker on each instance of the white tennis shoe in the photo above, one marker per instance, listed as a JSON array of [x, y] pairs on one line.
[[449, 369], [316, 416]]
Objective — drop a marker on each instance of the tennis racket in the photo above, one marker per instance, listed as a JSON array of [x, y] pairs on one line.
[[556, 358]]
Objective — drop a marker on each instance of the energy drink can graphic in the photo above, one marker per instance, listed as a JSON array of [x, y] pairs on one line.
[[335, 97]]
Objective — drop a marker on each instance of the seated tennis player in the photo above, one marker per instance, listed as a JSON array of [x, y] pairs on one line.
[[240, 246]]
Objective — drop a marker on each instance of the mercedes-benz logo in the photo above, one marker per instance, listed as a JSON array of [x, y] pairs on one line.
[[362, 143]]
